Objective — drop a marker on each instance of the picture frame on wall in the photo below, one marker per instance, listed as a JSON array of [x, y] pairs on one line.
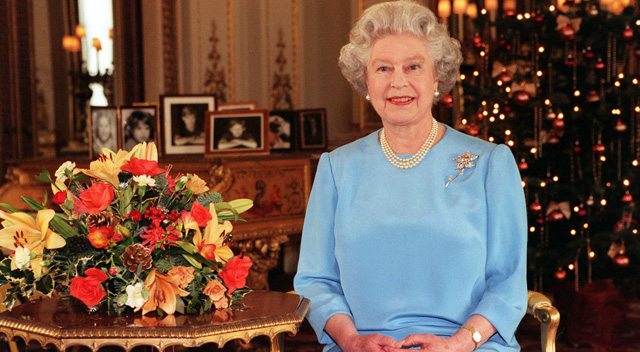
[[282, 130], [312, 127], [237, 132], [138, 123], [183, 122], [239, 105], [103, 127]]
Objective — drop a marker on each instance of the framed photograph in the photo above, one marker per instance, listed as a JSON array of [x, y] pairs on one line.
[[183, 122], [237, 132], [138, 124], [282, 130], [312, 125], [103, 127], [240, 105]]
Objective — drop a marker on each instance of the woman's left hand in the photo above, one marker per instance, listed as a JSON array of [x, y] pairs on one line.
[[428, 342]]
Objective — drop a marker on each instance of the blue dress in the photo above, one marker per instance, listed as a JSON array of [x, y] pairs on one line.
[[402, 254]]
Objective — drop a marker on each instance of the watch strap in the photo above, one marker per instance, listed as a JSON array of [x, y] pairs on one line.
[[475, 334]]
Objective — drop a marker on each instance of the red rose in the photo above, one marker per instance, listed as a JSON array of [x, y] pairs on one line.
[[235, 272], [60, 197], [89, 289], [200, 214], [95, 198], [97, 274], [142, 167]]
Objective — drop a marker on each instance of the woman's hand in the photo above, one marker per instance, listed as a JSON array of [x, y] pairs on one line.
[[428, 342], [370, 343]]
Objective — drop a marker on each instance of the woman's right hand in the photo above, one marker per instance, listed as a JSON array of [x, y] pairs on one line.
[[369, 343], [341, 328]]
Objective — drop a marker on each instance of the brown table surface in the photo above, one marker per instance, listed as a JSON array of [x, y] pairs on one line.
[[64, 322]]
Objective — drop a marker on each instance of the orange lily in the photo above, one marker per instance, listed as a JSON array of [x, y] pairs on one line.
[[22, 230], [197, 185], [146, 151], [214, 234], [107, 166], [162, 289]]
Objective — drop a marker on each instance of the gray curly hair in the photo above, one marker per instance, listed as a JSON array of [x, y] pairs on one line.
[[400, 17]]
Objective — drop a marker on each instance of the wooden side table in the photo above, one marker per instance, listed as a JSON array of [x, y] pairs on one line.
[[64, 322]]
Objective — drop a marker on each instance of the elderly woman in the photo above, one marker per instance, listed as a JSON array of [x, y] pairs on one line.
[[415, 235]]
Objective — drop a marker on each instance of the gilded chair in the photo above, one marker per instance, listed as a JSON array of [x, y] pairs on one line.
[[541, 308]]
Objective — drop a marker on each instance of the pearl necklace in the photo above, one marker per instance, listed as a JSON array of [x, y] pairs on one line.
[[416, 158]]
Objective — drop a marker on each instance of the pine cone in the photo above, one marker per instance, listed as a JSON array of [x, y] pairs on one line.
[[136, 254], [78, 244], [103, 218]]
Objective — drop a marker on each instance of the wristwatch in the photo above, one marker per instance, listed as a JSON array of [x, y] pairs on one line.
[[475, 334]]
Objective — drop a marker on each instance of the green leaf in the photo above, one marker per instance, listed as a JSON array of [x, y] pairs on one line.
[[44, 176], [187, 246], [32, 203], [8, 207], [44, 284], [145, 293], [179, 305], [192, 261], [122, 299], [241, 205]]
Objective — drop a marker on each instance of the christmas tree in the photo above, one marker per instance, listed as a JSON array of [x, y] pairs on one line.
[[560, 84]]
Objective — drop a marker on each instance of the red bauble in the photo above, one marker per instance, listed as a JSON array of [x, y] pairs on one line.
[[555, 215], [560, 274], [506, 108], [477, 40], [599, 64], [621, 261], [576, 148], [558, 123], [479, 116], [522, 165], [551, 115], [570, 61], [505, 78], [521, 98], [447, 101], [473, 130], [582, 212], [593, 97], [627, 33], [627, 198], [567, 32], [509, 13], [535, 207], [637, 52], [599, 148], [620, 126], [588, 53], [538, 19]]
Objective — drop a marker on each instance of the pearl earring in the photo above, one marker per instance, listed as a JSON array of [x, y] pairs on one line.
[[367, 97], [436, 93]]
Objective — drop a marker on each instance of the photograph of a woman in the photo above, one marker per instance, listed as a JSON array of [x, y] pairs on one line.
[[103, 129], [190, 129], [183, 122], [139, 126]]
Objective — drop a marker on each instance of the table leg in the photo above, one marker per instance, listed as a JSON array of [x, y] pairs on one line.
[[277, 343]]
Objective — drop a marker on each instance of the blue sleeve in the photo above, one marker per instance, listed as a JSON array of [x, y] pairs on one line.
[[318, 275], [504, 302]]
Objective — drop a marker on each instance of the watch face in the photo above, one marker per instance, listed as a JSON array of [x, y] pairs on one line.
[[476, 337]]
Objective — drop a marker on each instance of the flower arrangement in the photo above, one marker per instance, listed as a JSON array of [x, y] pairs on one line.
[[129, 236]]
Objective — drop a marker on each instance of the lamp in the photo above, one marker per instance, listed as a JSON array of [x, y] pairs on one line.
[[80, 80], [444, 8]]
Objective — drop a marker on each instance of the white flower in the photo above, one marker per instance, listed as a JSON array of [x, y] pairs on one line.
[[22, 257], [61, 172], [144, 180], [134, 295]]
